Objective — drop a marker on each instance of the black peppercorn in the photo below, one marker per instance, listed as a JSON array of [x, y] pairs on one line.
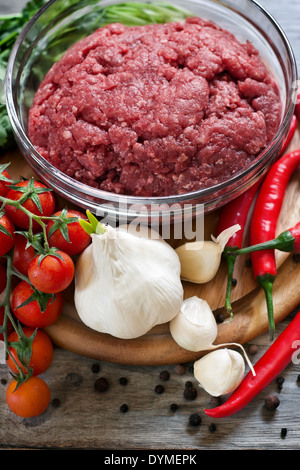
[[3, 381], [188, 384], [95, 368], [164, 375], [55, 402], [124, 408], [190, 393], [123, 381], [272, 402], [101, 384], [253, 349], [279, 382], [195, 419], [215, 401], [220, 318], [298, 378], [173, 407], [159, 389], [212, 427], [283, 432], [233, 282]]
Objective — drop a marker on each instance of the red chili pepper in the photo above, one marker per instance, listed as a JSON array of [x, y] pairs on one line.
[[263, 224], [268, 367], [291, 133], [235, 212]]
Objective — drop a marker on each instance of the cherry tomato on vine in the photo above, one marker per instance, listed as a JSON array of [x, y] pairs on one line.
[[51, 274], [77, 240], [7, 234], [4, 184], [31, 398], [22, 255], [41, 351], [3, 278], [40, 202], [9, 327], [41, 310]]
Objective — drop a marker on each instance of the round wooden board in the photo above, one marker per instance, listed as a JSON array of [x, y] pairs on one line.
[[157, 347]]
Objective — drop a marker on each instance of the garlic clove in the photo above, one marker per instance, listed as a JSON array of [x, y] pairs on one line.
[[201, 260], [195, 327], [220, 371]]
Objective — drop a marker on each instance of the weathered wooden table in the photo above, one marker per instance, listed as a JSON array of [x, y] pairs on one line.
[[79, 417]]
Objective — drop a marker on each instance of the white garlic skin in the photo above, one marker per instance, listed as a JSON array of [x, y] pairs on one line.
[[195, 327], [125, 284], [220, 372]]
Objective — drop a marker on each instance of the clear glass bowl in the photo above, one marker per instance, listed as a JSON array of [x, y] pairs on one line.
[[61, 23]]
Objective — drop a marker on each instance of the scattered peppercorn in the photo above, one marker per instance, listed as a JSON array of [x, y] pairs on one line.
[[220, 318], [279, 382], [296, 257], [124, 408], [195, 419], [173, 407], [188, 384], [95, 368], [3, 381], [123, 381], [253, 349], [190, 393], [283, 432], [55, 402], [179, 369], [272, 402], [164, 375], [215, 401], [233, 282], [298, 378], [101, 384], [212, 427], [159, 389]]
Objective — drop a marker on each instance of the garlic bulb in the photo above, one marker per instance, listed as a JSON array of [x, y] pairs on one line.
[[201, 260], [195, 327], [127, 282], [220, 372]]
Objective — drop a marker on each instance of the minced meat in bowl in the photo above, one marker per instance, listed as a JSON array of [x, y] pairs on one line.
[[184, 110], [155, 110]]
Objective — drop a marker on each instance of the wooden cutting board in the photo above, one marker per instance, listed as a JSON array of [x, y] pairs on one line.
[[157, 347]]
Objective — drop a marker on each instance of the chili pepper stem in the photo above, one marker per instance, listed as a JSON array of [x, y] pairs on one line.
[[266, 281], [284, 242], [230, 260]]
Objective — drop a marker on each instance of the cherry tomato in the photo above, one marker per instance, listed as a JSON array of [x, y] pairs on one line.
[[31, 398], [3, 278], [41, 352], [32, 314], [4, 184], [78, 237], [19, 218], [51, 274], [9, 327], [7, 234], [22, 255]]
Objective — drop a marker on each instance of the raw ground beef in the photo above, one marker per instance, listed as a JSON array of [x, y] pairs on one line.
[[155, 110]]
